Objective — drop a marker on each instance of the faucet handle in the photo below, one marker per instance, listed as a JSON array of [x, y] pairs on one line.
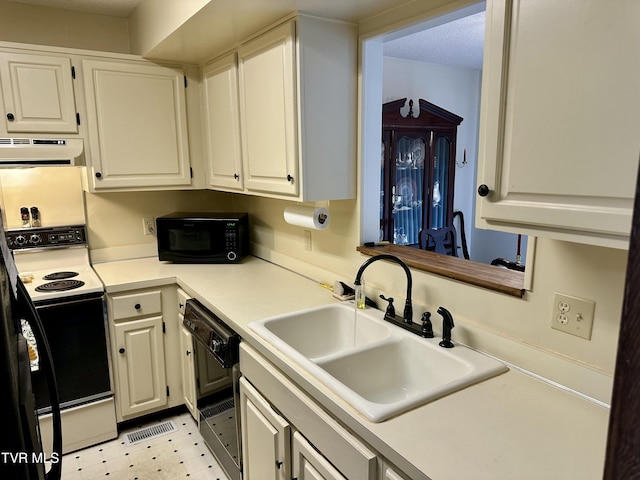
[[391, 310], [427, 326]]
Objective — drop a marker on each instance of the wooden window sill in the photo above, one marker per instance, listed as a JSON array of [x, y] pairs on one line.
[[494, 278]]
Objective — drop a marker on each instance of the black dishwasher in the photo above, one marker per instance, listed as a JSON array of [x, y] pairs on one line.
[[217, 374]]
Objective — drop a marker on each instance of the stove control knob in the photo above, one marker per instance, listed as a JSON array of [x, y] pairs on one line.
[[35, 239], [20, 240]]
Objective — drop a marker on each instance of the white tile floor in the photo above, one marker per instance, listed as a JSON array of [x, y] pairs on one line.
[[176, 455]]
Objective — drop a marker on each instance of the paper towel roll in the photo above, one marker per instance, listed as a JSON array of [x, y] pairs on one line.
[[307, 217]]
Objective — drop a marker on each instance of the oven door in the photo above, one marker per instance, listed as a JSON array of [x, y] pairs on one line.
[[76, 330]]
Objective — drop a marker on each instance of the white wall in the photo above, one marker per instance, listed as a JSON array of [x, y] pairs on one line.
[[115, 219], [62, 28]]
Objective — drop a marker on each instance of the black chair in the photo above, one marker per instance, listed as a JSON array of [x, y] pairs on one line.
[[440, 240], [445, 240], [463, 236]]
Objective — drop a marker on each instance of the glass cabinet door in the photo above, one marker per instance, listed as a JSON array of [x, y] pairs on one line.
[[440, 207], [408, 189]]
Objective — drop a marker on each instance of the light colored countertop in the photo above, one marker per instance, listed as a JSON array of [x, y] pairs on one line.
[[513, 426]]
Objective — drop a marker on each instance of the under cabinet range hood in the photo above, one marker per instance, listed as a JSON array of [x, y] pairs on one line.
[[40, 152]]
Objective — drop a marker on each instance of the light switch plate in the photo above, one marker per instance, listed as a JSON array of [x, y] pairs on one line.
[[573, 315]]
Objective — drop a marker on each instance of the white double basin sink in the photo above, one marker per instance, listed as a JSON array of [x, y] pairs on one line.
[[380, 369]]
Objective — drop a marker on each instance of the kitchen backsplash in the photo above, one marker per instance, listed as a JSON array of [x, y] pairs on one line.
[[55, 192]]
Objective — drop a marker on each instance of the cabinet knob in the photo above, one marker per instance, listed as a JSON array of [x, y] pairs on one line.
[[188, 353], [278, 464], [11, 117], [236, 176], [98, 175], [121, 351], [289, 178], [483, 190], [137, 306]]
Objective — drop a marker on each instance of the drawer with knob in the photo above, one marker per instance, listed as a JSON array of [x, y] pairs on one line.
[[136, 305]]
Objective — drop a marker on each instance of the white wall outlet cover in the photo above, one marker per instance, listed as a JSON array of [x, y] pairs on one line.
[[573, 315]]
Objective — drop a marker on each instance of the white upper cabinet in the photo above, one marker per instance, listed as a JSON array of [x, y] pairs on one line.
[[560, 129], [222, 124], [298, 102], [137, 122], [37, 91], [268, 105]]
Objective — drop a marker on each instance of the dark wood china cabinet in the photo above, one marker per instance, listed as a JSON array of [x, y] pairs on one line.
[[418, 170]]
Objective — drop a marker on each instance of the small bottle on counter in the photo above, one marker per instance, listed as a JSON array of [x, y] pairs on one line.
[[35, 217], [24, 215], [361, 299]]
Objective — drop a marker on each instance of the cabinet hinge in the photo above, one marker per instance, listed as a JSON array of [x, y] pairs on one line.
[[73, 72], [167, 390], [164, 327], [77, 118], [185, 81]]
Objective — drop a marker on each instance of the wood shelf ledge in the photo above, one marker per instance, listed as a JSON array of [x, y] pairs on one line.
[[494, 278]]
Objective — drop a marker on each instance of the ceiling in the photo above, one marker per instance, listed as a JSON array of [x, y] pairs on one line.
[[459, 42]]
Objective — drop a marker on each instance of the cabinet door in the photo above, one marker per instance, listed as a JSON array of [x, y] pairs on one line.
[[559, 139], [137, 125], [211, 376], [266, 437], [308, 464], [139, 354], [390, 474], [188, 371], [222, 124], [268, 111], [38, 93]]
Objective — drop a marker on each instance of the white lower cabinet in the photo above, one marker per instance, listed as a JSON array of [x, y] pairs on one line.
[[145, 351], [266, 437], [309, 464], [140, 364], [287, 435], [211, 377], [187, 360], [188, 368], [389, 473]]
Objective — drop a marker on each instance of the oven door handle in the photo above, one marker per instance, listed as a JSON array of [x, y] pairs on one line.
[[55, 473]]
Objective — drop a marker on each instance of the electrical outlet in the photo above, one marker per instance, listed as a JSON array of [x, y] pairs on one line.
[[148, 226], [307, 240], [573, 315]]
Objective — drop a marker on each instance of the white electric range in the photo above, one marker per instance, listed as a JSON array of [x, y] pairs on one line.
[[53, 264]]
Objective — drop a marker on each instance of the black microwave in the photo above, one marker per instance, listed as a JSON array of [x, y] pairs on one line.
[[202, 237]]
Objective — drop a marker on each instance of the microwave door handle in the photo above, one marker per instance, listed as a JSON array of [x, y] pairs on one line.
[[55, 473]]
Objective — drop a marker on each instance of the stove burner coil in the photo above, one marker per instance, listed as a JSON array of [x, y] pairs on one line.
[[60, 275], [59, 286]]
